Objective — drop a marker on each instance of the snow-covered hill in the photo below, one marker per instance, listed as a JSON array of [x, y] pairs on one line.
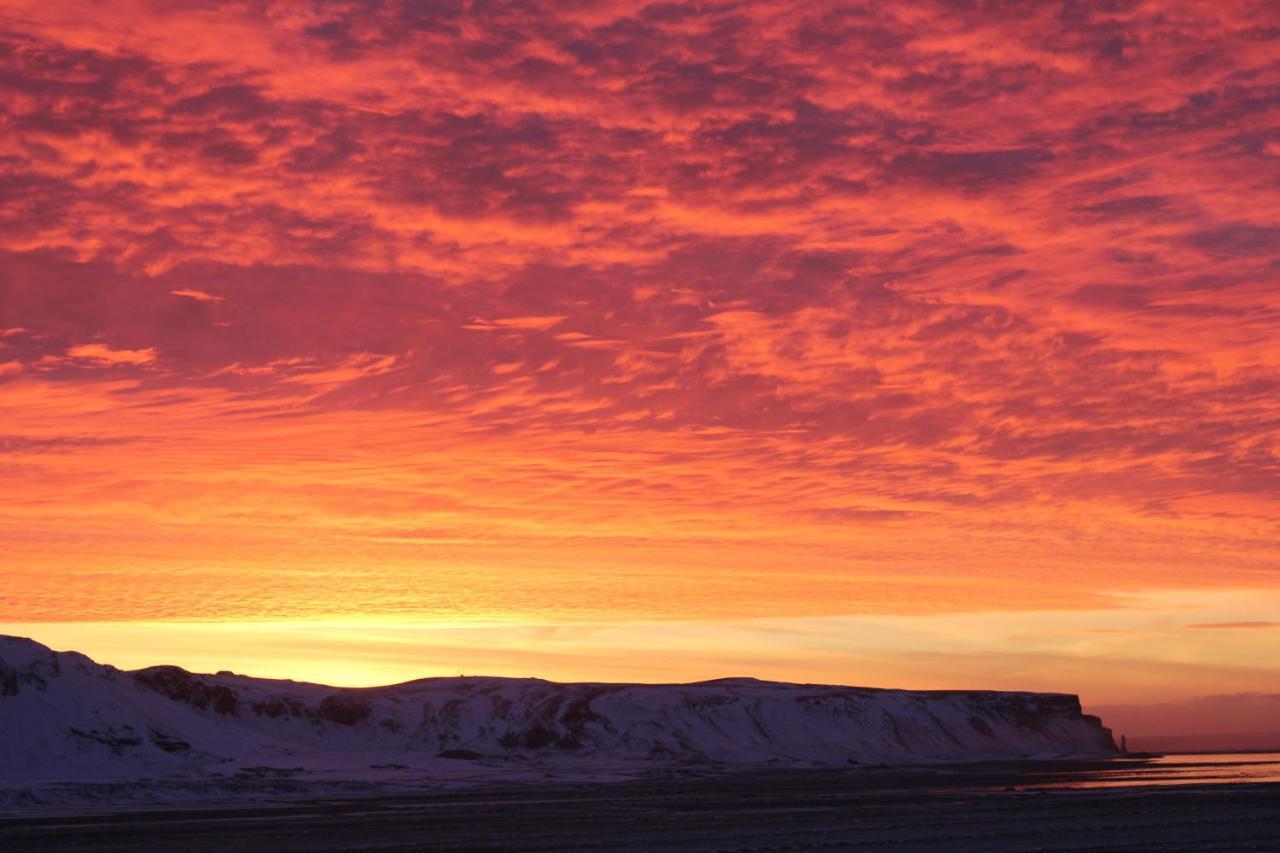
[[64, 717]]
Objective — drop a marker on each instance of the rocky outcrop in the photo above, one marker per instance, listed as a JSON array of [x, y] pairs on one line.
[[64, 715]]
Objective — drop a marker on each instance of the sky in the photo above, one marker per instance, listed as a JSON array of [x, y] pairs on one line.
[[910, 344]]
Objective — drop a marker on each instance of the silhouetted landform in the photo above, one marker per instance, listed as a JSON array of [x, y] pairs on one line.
[[64, 717]]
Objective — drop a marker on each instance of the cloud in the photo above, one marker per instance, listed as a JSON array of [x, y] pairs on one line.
[[106, 355], [198, 295], [676, 274], [1238, 238], [973, 170], [533, 324]]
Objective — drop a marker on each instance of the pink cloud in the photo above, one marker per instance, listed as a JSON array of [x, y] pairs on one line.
[[198, 295], [823, 269], [106, 355]]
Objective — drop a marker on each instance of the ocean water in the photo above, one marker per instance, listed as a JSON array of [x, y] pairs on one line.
[[1172, 769]]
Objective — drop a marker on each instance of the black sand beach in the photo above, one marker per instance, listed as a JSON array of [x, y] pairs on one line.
[[991, 809]]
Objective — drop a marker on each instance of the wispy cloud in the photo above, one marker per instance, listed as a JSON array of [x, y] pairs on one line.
[[198, 295], [103, 354]]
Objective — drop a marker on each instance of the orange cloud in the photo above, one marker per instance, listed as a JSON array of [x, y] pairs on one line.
[[106, 355], [673, 311]]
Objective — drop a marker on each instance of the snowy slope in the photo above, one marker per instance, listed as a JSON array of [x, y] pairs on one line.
[[64, 717]]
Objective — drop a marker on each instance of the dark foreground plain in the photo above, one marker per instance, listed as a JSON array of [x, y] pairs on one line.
[[891, 810]]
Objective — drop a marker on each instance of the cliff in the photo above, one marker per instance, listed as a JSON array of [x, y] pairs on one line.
[[65, 717]]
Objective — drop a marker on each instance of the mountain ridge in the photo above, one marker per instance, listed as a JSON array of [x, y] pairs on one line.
[[65, 717]]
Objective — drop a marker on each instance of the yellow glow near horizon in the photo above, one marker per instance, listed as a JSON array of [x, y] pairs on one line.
[[1147, 647]]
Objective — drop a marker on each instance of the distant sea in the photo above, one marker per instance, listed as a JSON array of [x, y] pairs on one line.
[[1171, 769]]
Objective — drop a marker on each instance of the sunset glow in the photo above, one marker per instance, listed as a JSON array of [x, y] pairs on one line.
[[917, 344]]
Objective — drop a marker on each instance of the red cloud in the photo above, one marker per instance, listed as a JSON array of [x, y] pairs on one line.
[[680, 272]]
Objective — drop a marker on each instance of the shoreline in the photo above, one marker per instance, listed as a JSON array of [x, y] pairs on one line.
[[287, 787], [798, 808]]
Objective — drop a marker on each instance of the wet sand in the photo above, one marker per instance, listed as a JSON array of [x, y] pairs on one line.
[[906, 811]]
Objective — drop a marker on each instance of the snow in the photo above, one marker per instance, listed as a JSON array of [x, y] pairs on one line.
[[66, 721]]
